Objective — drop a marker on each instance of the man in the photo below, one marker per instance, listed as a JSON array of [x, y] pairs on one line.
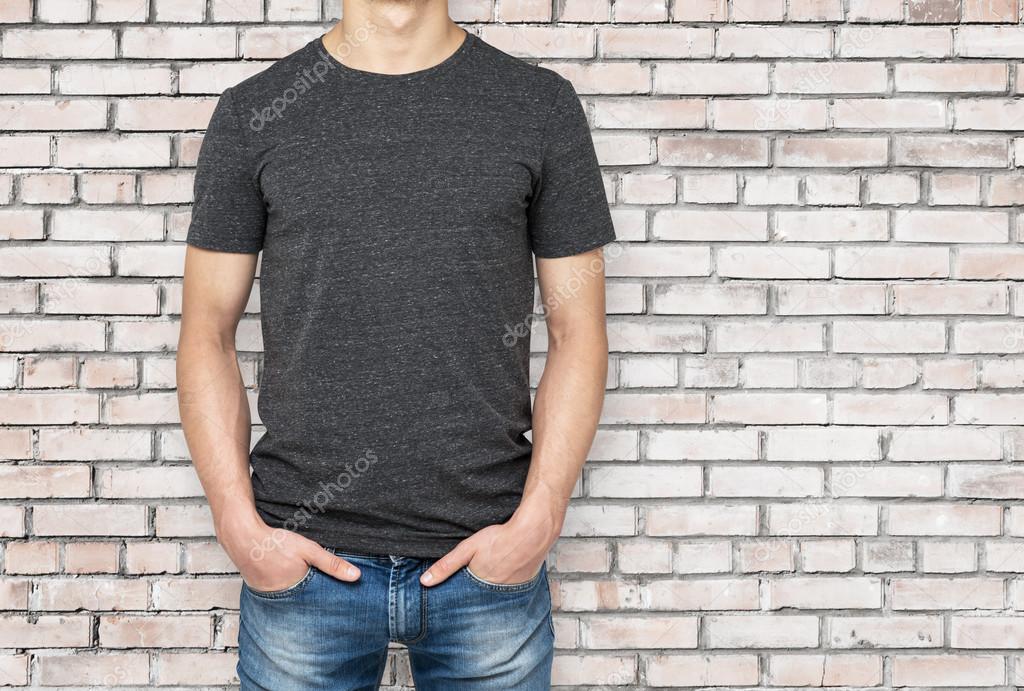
[[399, 175]]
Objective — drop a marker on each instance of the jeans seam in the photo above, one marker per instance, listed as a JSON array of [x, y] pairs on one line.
[[506, 588], [343, 554], [392, 605], [278, 594], [424, 591], [551, 618]]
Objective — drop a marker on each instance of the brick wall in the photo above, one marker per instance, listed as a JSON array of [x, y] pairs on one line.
[[806, 475]]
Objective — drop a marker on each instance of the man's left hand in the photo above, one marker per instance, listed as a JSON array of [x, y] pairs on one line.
[[507, 554]]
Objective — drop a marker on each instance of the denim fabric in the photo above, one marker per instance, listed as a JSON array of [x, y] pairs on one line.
[[464, 634]]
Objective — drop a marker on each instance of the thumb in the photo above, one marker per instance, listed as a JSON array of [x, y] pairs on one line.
[[444, 567], [331, 564]]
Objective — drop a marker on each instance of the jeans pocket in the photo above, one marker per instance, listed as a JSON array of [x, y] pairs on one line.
[[284, 592], [505, 587]]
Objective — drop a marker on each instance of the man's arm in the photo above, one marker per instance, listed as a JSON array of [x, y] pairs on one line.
[[566, 412], [215, 418]]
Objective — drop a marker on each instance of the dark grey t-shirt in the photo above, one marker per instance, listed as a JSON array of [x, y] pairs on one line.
[[397, 215]]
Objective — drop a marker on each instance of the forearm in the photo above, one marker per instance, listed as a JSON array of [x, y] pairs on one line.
[[566, 413], [215, 418]]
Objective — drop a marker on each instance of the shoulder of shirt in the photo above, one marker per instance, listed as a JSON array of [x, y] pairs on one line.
[[278, 76], [530, 76]]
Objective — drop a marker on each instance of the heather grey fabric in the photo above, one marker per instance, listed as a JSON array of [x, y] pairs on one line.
[[397, 216]]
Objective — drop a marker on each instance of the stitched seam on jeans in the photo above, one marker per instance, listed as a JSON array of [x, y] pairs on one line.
[[424, 591], [551, 619], [276, 594], [392, 629], [344, 554], [503, 587]]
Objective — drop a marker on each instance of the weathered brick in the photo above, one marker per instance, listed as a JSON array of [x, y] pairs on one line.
[[894, 42], [708, 78], [176, 631], [831, 670], [58, 44], [933, 77], [772, 42], [948, 670], [90, 519], [177, 42], [45, 631], [651, 42], [835, 152], [763, 460], [94, 670], [750, 631], [989, 42], [702, 670]]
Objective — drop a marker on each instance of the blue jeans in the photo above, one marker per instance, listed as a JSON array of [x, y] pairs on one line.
[[463, 634]]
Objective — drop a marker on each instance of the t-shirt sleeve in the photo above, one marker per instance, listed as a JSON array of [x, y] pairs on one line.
[[568, 211], [228, 213]]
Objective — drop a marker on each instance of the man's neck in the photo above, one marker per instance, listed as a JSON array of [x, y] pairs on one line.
[[393, 36]]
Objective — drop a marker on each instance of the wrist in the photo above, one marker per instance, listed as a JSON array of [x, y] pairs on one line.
[[234, 519], [541, 518]]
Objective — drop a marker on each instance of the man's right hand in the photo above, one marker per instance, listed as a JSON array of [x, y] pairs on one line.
[[272, 559]]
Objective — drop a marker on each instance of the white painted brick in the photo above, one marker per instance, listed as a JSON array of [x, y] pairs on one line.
[[814, 404]]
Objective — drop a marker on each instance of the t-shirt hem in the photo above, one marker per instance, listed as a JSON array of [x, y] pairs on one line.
[[217, 246], [572, 250], [375, 545]]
